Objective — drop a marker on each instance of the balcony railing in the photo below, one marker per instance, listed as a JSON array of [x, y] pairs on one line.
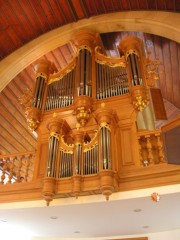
[[16, 167]]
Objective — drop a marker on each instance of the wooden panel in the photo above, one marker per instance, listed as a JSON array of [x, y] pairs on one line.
[[126, 140], [171, 135], [158, 104], [137, 238]]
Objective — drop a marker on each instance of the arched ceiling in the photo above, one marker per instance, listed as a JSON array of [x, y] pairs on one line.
[[23, 21], [34, 29]]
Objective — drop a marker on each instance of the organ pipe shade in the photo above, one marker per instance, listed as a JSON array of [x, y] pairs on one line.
[[110, 81], [90, 158], [60, 93], [84, 72], [65, 164], [134, 69], [39, 92], [52, 156], [105, 144]]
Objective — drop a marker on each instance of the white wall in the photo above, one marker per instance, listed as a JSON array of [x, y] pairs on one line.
[[168, 235]]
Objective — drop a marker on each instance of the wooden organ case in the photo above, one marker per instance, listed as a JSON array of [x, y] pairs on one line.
[[92, 119]]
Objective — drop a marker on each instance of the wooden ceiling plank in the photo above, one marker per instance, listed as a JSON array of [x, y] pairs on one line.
[[28, 22], [55, 13], [64, 50], [27, 77], [152, 5], [177, 5], [8, 133], [25, 32], [14, 116], [8, 146], [170, 5], [8, 44], [66, 11], [61, 12], [78, 9], [3, 150], [51, 57], [21, 130], [56, 59], [125, 5], [143, 4], [73, 10], [91, 7], [116, 5], [134, 5], [161, 4], [48, 13], [85, 8], [39, 18], [100, 7]]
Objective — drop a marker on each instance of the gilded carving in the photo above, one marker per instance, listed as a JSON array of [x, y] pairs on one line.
[[140, 103]]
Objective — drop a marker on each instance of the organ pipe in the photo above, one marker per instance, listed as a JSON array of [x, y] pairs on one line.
[[134, 62], [78, 142], [60, 93], [105, 144], [52, 155], [110, 81], [66, 164], [84, 72]]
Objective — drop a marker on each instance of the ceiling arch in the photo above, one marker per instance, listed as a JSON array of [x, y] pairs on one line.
[[158, 23]]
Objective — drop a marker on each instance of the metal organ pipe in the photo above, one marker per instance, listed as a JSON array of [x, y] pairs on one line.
[[52, 156], [135, 73], [78, 157], [60, 93], [110, 81], [39, 91], [85, 72], [105, 143]]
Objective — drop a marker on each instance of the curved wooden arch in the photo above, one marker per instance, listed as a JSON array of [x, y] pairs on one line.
[[154, 22]]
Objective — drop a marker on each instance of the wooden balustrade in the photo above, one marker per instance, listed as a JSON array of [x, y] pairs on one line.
[[16, 167], [150, 147]]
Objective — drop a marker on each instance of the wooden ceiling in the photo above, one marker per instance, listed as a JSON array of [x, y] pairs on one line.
[[24, 20]]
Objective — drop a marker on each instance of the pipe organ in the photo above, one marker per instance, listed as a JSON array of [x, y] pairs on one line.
[[85, 115]]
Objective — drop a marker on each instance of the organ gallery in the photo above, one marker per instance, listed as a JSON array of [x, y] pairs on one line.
[[95, 124]]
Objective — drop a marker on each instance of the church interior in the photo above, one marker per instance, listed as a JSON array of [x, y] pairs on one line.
[[90, 119]]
